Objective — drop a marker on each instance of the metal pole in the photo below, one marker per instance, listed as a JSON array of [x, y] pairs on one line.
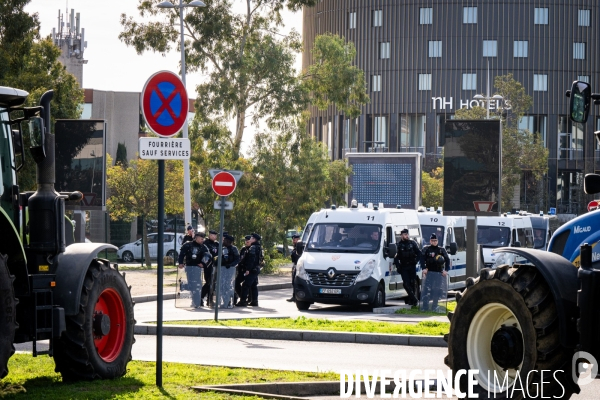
[[220, 257], [187, 206], [159, 278]]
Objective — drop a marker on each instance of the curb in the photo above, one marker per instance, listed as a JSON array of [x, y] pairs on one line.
[[170, 296], [293, 334]]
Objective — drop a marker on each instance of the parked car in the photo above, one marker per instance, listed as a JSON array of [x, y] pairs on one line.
[[133, 251]]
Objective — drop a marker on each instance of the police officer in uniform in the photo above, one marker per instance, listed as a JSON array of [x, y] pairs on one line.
[[213, 247], [434, 259], [406, 264], [189, 236], [252, 262], [196, 256], [229, 261], [295, 256], [241, 269]]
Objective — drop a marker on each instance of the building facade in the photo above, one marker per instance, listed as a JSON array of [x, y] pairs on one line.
[[424, 59]]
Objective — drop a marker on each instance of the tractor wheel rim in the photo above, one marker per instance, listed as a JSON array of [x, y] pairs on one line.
[[109, 346], [486, 322]]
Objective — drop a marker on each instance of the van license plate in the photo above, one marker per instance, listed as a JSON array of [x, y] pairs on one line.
[[330, 291]]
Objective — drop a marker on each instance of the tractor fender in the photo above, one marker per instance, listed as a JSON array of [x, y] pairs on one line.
[[561, 276], [72, 265]]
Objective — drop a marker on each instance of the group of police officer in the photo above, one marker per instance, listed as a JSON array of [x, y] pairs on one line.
[[239, 269], [433, 259]]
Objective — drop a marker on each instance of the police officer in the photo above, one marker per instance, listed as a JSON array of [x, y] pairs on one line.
[[189, 236], [434, 259], [295, 255], [252, 262], [229, 261], [241, 269], [406, 264], [196, 256], [213, 247]]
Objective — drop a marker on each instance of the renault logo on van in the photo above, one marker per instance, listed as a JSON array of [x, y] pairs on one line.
[[331, 273]]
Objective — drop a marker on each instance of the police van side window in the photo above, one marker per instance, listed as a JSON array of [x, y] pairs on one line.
[[522, 237], [529, 238], [389, 236], [459, 238]]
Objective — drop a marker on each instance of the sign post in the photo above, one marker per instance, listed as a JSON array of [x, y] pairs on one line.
[[223, 184], [165, 105]]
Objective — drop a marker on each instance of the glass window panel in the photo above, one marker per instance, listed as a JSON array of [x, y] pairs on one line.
[[376, 84], [540, 82], [469, 81], [584, 78], [424, 81], [377, 17], [426, 16], [469, 15], [490, 48], [352, 20], [384, 50], [435, 48], [521, 48], [579, 51], [584, 18], [541, 16]]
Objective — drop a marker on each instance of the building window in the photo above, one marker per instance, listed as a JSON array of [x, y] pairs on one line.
[[435, 48], [579, 51], [469, 15], [412, 132], [540, 82], [377, 17], [469, 81], [87, 111], [376, 83], [424, 81], [584, 78], [351, 134], [536, 124], [380, 130], [541, 16], [521, 48], [352, 20], [584, 18], [570, 139], [384, 50], [490, 48], [426, 16]]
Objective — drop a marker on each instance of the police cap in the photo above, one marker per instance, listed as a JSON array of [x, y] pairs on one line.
[[404, 231], [295, 236], [433, 237], [256, 236], [213, 232], [229, 237], [247, 237], [199, 234], [189, 227]]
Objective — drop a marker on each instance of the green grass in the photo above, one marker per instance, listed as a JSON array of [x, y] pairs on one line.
[[34, 378], [414, 310], [313, 324]]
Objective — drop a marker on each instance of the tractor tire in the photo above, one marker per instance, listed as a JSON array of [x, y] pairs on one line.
[[98, 340], [8, 318], [506, 321]]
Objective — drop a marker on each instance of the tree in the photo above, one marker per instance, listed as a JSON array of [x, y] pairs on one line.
[[133, 191], [121, 157], [249, 63], [432, 187], [522, 150], [31, 64]]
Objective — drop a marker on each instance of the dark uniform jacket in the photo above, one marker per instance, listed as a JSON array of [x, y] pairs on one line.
[[231, 257], [428, 260], [187, 238], [295, 255], [242, 264], [253, 258], [195, 254], [408, 253]]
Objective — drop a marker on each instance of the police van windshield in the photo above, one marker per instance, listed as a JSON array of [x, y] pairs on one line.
[[427, 230], [493, 236], [539, 238], [345, 238]]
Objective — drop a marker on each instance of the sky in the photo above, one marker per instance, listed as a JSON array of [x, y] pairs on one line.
[[111, 64]]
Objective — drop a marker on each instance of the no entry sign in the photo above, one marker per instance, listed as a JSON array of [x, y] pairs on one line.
[[223, 183], [592, 205], [165, 103]]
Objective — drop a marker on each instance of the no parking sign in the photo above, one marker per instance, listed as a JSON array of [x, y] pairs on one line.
[[165, 103]]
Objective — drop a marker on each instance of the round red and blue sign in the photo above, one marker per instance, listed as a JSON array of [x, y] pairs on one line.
[[165, 103]]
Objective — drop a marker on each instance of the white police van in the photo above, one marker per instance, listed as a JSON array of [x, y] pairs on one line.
[[451, 234], [508, 230], [348, 255]]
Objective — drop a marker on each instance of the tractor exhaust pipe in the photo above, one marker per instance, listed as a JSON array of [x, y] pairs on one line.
[[46, 206]]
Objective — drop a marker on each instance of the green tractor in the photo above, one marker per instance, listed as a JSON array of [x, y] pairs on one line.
[[48, 290]]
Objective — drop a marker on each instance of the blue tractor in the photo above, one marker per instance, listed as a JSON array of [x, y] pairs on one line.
[[536, 324]]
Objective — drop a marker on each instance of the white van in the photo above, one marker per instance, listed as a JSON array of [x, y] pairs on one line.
[[509, 230], [451, 233], [348, 255]]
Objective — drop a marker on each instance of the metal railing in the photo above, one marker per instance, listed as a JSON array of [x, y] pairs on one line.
[[567, 153]]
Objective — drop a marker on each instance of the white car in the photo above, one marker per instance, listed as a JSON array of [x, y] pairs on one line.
[[133, 251]]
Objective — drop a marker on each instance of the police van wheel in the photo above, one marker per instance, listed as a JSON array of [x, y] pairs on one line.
[[506, 323], [302, 305], [379, 299]]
